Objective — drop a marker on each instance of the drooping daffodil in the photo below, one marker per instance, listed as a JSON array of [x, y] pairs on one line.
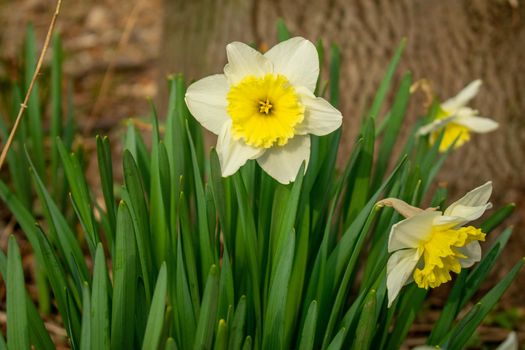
[[263, 107], [429, 244], [457, 120]]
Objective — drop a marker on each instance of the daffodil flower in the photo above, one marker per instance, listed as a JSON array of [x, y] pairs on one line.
[[458, 120], [428, 245], [263, 107]]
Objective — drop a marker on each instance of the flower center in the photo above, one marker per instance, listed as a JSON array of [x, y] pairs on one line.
[[264, 110], [452, 131], [442, 253], [265, 107]]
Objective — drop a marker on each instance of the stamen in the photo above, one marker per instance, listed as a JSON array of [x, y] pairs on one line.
[[265, 106]]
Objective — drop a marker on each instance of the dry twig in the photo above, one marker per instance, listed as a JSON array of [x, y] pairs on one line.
[[23, 106]]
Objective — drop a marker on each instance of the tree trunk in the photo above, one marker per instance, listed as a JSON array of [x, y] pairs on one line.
[[450, 43]]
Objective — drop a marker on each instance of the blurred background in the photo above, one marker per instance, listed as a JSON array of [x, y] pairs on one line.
[[119, 52]]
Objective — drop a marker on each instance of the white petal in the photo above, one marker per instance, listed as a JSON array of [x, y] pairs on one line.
[[477, 124], [435, 125], [510, 343], [320, 117], [463, 97], [233, 154], [449, 222], [297, 60], [410, 232], [478, 197], [243, 60], [473, 253], [399, 269], [468, 213], [206, 100], [283, 162]]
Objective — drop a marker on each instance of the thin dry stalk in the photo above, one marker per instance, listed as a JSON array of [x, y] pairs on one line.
[[23, 106]]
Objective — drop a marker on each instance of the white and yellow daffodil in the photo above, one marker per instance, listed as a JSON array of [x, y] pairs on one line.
[[263, 107], [429, 244], [458, 120]]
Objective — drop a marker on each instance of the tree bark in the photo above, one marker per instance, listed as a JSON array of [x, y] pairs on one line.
[[449, 42]]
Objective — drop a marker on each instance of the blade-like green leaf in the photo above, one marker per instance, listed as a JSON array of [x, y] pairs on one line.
[[105, 167], [462, 332], [39, 335], [18, 325], [85, 335], [124, 281], [367, 323], [308, 332], [385, 83], [99, 303], [237, 328], [282, 32], [208, 314], [156, 312], [273, 333]]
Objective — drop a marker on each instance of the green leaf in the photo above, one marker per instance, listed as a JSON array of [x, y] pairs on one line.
[[247, 234], [105, 167], [158, 214], [392, 127], [208, 314], [338, 303], [335, 73], [205, 248], [247, 343], [38, 333], [139, 214], [18, 325], [175, 137], [57, 281], [99, 303], [308, 332], [385, 83], [458, 337], [26, 221], [85, 335], [237, 328], [360, 179], [497, 218], [124, 281], [480, 272], [367, 323], [408, 306], [170, 344], [80, 195], [56, 117], [156, 313], [221, 341], [273, 333], [226, 287], [36, 139], [3, 345], [67, 242], [338, 341], [186, 308], [187, 236], [282, 32]]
